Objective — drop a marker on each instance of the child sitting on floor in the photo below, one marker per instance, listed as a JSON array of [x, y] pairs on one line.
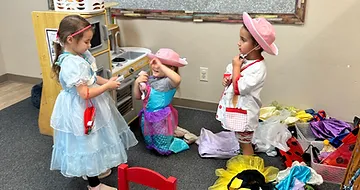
[[159, 119]]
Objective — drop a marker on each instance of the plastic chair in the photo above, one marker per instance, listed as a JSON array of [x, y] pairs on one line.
[[144, 177]]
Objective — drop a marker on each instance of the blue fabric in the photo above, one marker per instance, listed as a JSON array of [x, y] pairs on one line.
[[310, 111], [178, 145], [74, 153], [302, 173], [337, 141], [162, 143], [159, 100]]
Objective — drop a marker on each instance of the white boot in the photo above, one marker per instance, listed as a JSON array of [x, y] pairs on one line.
[[101, 176], [101, 187]]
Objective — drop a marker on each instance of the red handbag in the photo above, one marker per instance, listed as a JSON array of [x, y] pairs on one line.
[[89, 115]]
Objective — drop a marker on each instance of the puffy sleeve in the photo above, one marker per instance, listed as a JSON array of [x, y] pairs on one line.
[[91, 59], [75, 72], [228, 70], [250, 81], [167, 84]]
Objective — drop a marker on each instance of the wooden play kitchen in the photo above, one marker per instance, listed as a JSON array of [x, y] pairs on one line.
[[45, 27]]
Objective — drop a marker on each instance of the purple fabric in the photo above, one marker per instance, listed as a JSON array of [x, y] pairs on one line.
[[329, 128], [162, 122], [219, 145], [298, 185], [157, 116]]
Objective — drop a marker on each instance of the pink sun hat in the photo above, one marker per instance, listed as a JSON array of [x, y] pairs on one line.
[[263, 32], [169, 57]]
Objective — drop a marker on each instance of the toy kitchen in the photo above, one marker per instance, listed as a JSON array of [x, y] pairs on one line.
[[128, 63], [111, 59]]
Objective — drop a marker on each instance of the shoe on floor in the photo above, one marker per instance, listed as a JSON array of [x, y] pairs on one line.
[[190, 138], [180, 132], [101, 176], [101, 187]]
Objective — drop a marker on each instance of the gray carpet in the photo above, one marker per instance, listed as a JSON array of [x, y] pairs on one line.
[[25, 155]]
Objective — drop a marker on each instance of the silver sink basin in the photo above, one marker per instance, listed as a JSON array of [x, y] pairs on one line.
[[129, 55]]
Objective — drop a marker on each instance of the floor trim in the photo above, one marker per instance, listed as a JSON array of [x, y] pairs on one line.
[[20, 78], [195, 104], [180, 102], [3, 78]]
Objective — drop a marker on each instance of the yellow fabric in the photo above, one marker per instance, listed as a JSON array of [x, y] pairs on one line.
[[238, 164], [267, 112], [236, 183], [274, 109], [291, 120], [303, 116], [292, 110]]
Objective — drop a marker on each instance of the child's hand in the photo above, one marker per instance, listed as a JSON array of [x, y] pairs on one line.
[[142, 78], [142, 73], [112, 83], [157, 62], [237, 62], [113, 78], [226, 81]]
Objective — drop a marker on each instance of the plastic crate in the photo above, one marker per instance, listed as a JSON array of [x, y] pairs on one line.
[[331, 174], [304, 135], [80, 6]]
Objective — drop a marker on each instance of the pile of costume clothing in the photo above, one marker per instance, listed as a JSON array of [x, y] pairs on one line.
[[249, 173], [338, 141], [295, 114], [272, 133]]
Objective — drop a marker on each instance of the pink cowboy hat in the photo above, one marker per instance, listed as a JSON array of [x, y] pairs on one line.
[[169, 57], [263, 32]]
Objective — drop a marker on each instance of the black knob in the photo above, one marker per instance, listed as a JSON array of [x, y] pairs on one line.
[[131, 70]]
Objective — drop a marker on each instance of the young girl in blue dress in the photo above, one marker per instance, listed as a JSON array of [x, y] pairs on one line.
[[76, 153]]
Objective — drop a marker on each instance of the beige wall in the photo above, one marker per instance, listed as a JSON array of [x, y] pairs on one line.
[[317, 65], [17, 37], [2, 63]]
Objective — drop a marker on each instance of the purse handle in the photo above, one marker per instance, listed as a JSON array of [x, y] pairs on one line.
[[236, 97], [87, 99]]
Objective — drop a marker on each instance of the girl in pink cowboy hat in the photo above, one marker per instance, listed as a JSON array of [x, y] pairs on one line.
[[243, 80], [159, 119]]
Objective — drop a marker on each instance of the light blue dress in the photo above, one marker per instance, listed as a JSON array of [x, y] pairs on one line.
[[74, 153]]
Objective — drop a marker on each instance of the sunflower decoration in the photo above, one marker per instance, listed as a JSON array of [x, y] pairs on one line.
[[245, 173]]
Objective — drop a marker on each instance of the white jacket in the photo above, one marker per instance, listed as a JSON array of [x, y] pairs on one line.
[[245, 116]]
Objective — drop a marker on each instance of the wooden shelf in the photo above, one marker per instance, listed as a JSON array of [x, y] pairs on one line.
[[110, 4], [112, 27]]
